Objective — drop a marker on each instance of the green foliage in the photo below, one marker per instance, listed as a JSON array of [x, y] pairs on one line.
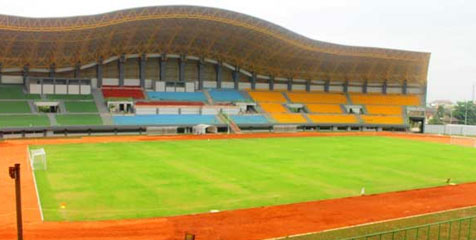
[[438, 117], [149, 179], [463, 109]]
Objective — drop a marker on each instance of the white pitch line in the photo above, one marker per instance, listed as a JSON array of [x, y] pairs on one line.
[[36, 187]]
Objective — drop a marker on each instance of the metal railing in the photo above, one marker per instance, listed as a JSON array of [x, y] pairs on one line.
[[457, 229]]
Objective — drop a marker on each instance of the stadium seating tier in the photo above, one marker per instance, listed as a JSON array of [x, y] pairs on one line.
[[288, 118], [324, 108], [226, 95], [117, 92], [384, 110], [385, 99], [177, 96], [391, 120], [249, 119], [315, 97], [273, 107], [165, 119], [267, 96], [333, 118]]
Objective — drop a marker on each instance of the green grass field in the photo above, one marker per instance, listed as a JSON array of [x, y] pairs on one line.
[[147, 179]]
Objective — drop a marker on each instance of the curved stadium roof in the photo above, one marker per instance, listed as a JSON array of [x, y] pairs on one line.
[[250, 43]]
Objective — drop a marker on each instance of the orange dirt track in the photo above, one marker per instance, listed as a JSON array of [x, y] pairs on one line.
[[254, 223]]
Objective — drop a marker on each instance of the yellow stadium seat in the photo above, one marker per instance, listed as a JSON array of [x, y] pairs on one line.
[[267, 96], [273, 107], [317, 97], [288, 117], [384, 109], [385, 99], [324, 108], [397, 120], [333, 118]]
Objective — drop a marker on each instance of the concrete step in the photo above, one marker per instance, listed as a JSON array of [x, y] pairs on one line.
[[32, 106], [207, 95], [305, 116], [101, 106], [52, 118]]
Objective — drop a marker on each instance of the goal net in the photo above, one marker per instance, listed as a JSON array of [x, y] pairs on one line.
[[38, 159]]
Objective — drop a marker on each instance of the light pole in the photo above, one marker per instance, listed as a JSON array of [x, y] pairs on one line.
[[14, 173], [466, 113]]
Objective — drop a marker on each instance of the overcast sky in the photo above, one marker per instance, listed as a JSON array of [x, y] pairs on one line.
[[446, 28]]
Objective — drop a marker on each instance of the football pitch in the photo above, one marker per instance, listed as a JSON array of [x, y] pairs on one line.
[[163, 178]]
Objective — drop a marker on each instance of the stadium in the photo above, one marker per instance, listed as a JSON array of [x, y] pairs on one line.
[[183, 122]]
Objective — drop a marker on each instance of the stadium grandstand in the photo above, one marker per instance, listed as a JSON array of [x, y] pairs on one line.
[[88, 74]]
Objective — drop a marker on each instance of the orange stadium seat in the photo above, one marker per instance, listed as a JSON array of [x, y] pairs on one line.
[[384, 109], [385, 99], [267, 96], [317, 97], [273, 107], [324, 108], [288, 117], [333, 118], [397, 120]]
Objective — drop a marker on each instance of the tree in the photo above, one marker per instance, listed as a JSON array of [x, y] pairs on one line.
[[439, 116], [463, 109]]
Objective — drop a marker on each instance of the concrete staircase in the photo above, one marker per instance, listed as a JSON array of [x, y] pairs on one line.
[[101, 106], [286, 96], [32, 106], [52, 118], [233, 126], [207, 95], [305, 116]]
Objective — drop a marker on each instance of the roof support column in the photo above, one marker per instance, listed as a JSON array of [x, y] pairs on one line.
[[345, 86], [384, 87], [405, 87], [236, 77], [271, 83], [365, 86], [163, 67], [76, 70], [290, 84], [0, 72], [201, 73], [425, 91], [25, 72], [181, 63], [99, 73], [142, 62], [308, 85], [327, 84], [121, 61], [51, 72], [253, 81], [218, 71]]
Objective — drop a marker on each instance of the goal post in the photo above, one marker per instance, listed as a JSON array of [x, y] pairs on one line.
[[38, 159]]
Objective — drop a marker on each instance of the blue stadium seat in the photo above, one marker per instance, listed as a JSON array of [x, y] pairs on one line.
[[165, 119], [178, 96], [226, 95], [249, 119]]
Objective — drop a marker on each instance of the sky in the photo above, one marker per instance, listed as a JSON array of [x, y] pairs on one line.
[[445, 28]]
